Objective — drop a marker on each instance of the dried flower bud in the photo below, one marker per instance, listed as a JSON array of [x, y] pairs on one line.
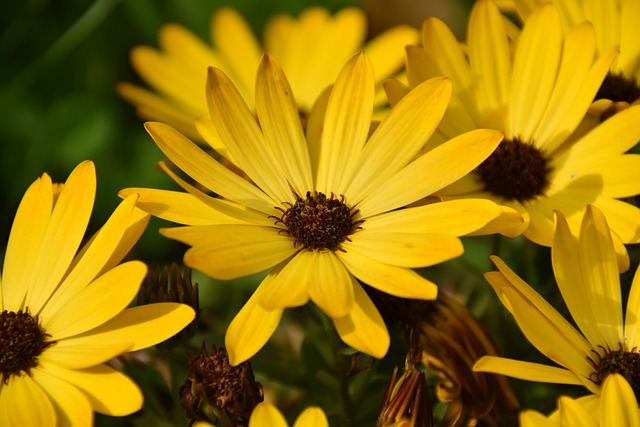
[[453, 340], [217, 392]]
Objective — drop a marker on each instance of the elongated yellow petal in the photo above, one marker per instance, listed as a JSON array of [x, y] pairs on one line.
[[287, 284], [489, 56], [313, 416], [619, 406], [454, 217], [531, 418], [19, 400], [397, 281], [266, 415], [28, 229], [233, 37], [109, 391], [206, 170], [250, 329], [280, 121], [601, 275], [135, 227], [571, 413], [569, 274], [534, 70], [346, 125], [386, 50], [188, 49], [330, 284], [411, 250], [65, 231], [71, 404], [411, 121], [242, 136], [432, 171], [632, 317], [87, 310], [141, 326], [69, 354], [525, 370], [231, 251], [363, 329]]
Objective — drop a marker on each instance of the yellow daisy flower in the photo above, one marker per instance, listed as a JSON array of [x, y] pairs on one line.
[[323, 209], [587, 275], [311, 48], [267, 415], [537, 92], [64, 311], [616, 23], [617, 406]]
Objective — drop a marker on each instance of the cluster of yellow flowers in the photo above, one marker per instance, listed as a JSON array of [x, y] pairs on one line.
[[346, 166]]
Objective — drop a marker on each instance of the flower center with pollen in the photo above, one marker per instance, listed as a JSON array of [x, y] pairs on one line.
[[515, 171], [319, 222], [620, 362], [21, 342], [617, 88]]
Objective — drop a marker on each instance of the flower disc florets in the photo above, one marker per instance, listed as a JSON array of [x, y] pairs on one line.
[[319, 222], [21, 342], [515, 171], [617, 87], [621, 362]]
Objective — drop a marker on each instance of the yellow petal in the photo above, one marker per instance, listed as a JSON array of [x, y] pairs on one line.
[[287, 284], [531, 418], [266, 415], [346, 125], [87, 309], [619, 406], [109, 391], [432, 171], [233, 37], [411, 121], [525, 370], [489, 56], [386, 50], [280, 121], [534, 70], [395, 90], [573, 414], [454, 217], [231, 251], [363, 329], [249, 331], [411, 250], [135, 227], [141, 326], [632, 319], [567, 268], [69, 354], [206, 170], [65, 231], [330, 284], [24, 403], [242, 136], [396, 281], [91, 260], [71, 404], [601, 277], [28, 229], [622, 218], [313, 416]]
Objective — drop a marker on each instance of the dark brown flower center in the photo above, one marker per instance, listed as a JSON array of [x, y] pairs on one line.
[[515, 171], [319, 222], [21, 342], [625, 363], [616, 87]]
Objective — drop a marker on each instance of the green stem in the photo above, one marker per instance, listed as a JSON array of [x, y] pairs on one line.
[[341, 369]]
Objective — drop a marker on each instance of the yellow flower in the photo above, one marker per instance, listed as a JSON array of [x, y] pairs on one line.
[[323, 209], [616, 23], [587, 275], [64, 311], [267, 415], [617, 406], [311, 48], [536, 92]]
